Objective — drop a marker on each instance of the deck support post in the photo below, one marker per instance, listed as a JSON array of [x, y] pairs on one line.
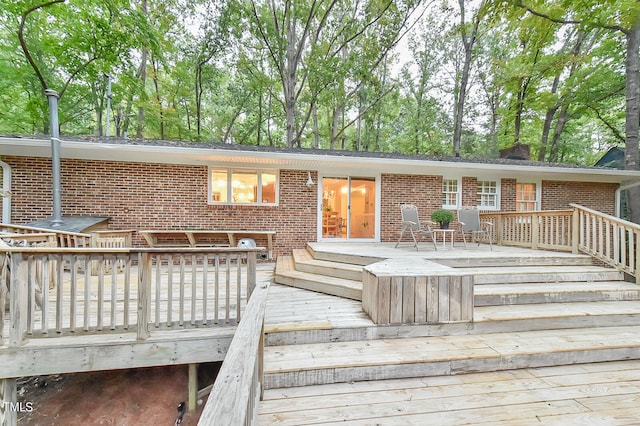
[[8, 402], [193, 387]]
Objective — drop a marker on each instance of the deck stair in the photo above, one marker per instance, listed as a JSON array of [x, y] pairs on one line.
[[528, 313], [301, 271]]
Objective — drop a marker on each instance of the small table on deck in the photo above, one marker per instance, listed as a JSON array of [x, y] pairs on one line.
[[444, 232]]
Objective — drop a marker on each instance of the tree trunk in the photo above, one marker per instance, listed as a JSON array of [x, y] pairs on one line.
[[143, 79], [335, 125], [290, 83], [158, 98], [461, 94], [548, 119], [632, 125]]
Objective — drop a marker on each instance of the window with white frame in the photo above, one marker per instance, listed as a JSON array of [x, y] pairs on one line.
[[450, 193], [228, 186], [526, 197], [488, 196]]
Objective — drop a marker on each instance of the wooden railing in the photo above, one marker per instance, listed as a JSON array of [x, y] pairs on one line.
[[612, 240], [63, 238], [607, 238], [53, 291], [550, 229], [237, 390]]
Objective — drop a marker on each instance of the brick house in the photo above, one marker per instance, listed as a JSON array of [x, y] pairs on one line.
[[304, 195]]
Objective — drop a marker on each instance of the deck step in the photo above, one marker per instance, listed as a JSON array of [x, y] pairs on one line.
[[350, 258], [341, 362], [287, 274], [329, 325], [557, 292], [542, 259], [532, 274], [304, 262]]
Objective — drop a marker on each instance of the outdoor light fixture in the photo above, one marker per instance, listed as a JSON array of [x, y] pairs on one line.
[[309, 180]]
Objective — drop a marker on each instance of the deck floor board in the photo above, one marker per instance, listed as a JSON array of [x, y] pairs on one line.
[[603, 393]]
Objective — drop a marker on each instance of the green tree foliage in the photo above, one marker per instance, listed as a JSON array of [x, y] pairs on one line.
[[434, 77]]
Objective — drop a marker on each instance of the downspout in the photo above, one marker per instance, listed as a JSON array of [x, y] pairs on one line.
[[6, 192], [52, 95], [619, 197]]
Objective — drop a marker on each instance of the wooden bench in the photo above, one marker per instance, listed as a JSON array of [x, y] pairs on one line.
[[202, 238]]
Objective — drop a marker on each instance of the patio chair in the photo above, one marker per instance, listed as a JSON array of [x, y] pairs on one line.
[[470, 224], [411, 223]]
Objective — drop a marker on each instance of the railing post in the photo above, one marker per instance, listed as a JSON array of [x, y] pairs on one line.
[[251, 273], [144, 295], [19, 292], [499, 226], [575, 230], [535, 231]]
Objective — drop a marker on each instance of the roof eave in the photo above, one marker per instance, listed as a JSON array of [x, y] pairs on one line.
[[300, 161]]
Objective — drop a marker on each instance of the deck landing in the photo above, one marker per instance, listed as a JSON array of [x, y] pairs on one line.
[[595, 394]]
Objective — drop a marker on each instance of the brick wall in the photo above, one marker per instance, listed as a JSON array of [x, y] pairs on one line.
[[508, 195], [597, 196], [422, 190], [158, 196], [469, 191]]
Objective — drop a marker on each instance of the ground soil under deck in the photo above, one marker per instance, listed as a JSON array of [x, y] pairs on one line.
[[146, 396]]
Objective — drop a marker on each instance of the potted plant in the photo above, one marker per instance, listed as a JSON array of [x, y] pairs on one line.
[[443, 217]]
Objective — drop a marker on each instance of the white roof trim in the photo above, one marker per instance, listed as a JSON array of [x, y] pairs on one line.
[[302, 161]]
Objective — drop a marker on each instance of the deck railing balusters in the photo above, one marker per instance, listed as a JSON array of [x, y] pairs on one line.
[[181, 291], [78, 291], [87, 293], [170, 292], [216, 299], [127, 292], [114, 291], [194, 277], [227, 293], [31, 288], [205, 285], [158, 286], [73, 293], [59, 268], [100, 310], [44, 291], [238, 286]]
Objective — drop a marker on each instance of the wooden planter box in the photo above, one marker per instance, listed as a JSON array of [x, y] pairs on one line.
[[417, 299]]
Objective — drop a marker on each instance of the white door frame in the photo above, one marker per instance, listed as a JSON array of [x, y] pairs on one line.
[[349, 177]]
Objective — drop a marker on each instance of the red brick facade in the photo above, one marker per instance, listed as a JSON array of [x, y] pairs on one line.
[[158, 196], [163, 196], [597, 196]]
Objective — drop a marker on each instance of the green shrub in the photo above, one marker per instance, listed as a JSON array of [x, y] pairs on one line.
[[442, 216]]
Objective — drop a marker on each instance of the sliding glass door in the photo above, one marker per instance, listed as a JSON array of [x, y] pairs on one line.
[[348, 208]]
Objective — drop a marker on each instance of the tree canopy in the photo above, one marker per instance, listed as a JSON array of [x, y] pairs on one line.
[[434, 77]]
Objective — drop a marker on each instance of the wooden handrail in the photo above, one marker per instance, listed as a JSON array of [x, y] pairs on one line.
[[64, 238], [237, 390], [547, 229], [105, 290], [607, 238]]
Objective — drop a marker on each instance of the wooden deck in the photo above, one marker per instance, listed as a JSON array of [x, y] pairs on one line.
[[321, 326], [536, 362], [588, 394]]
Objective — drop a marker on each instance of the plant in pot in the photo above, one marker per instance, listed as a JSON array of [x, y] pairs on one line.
[[443, 217]]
